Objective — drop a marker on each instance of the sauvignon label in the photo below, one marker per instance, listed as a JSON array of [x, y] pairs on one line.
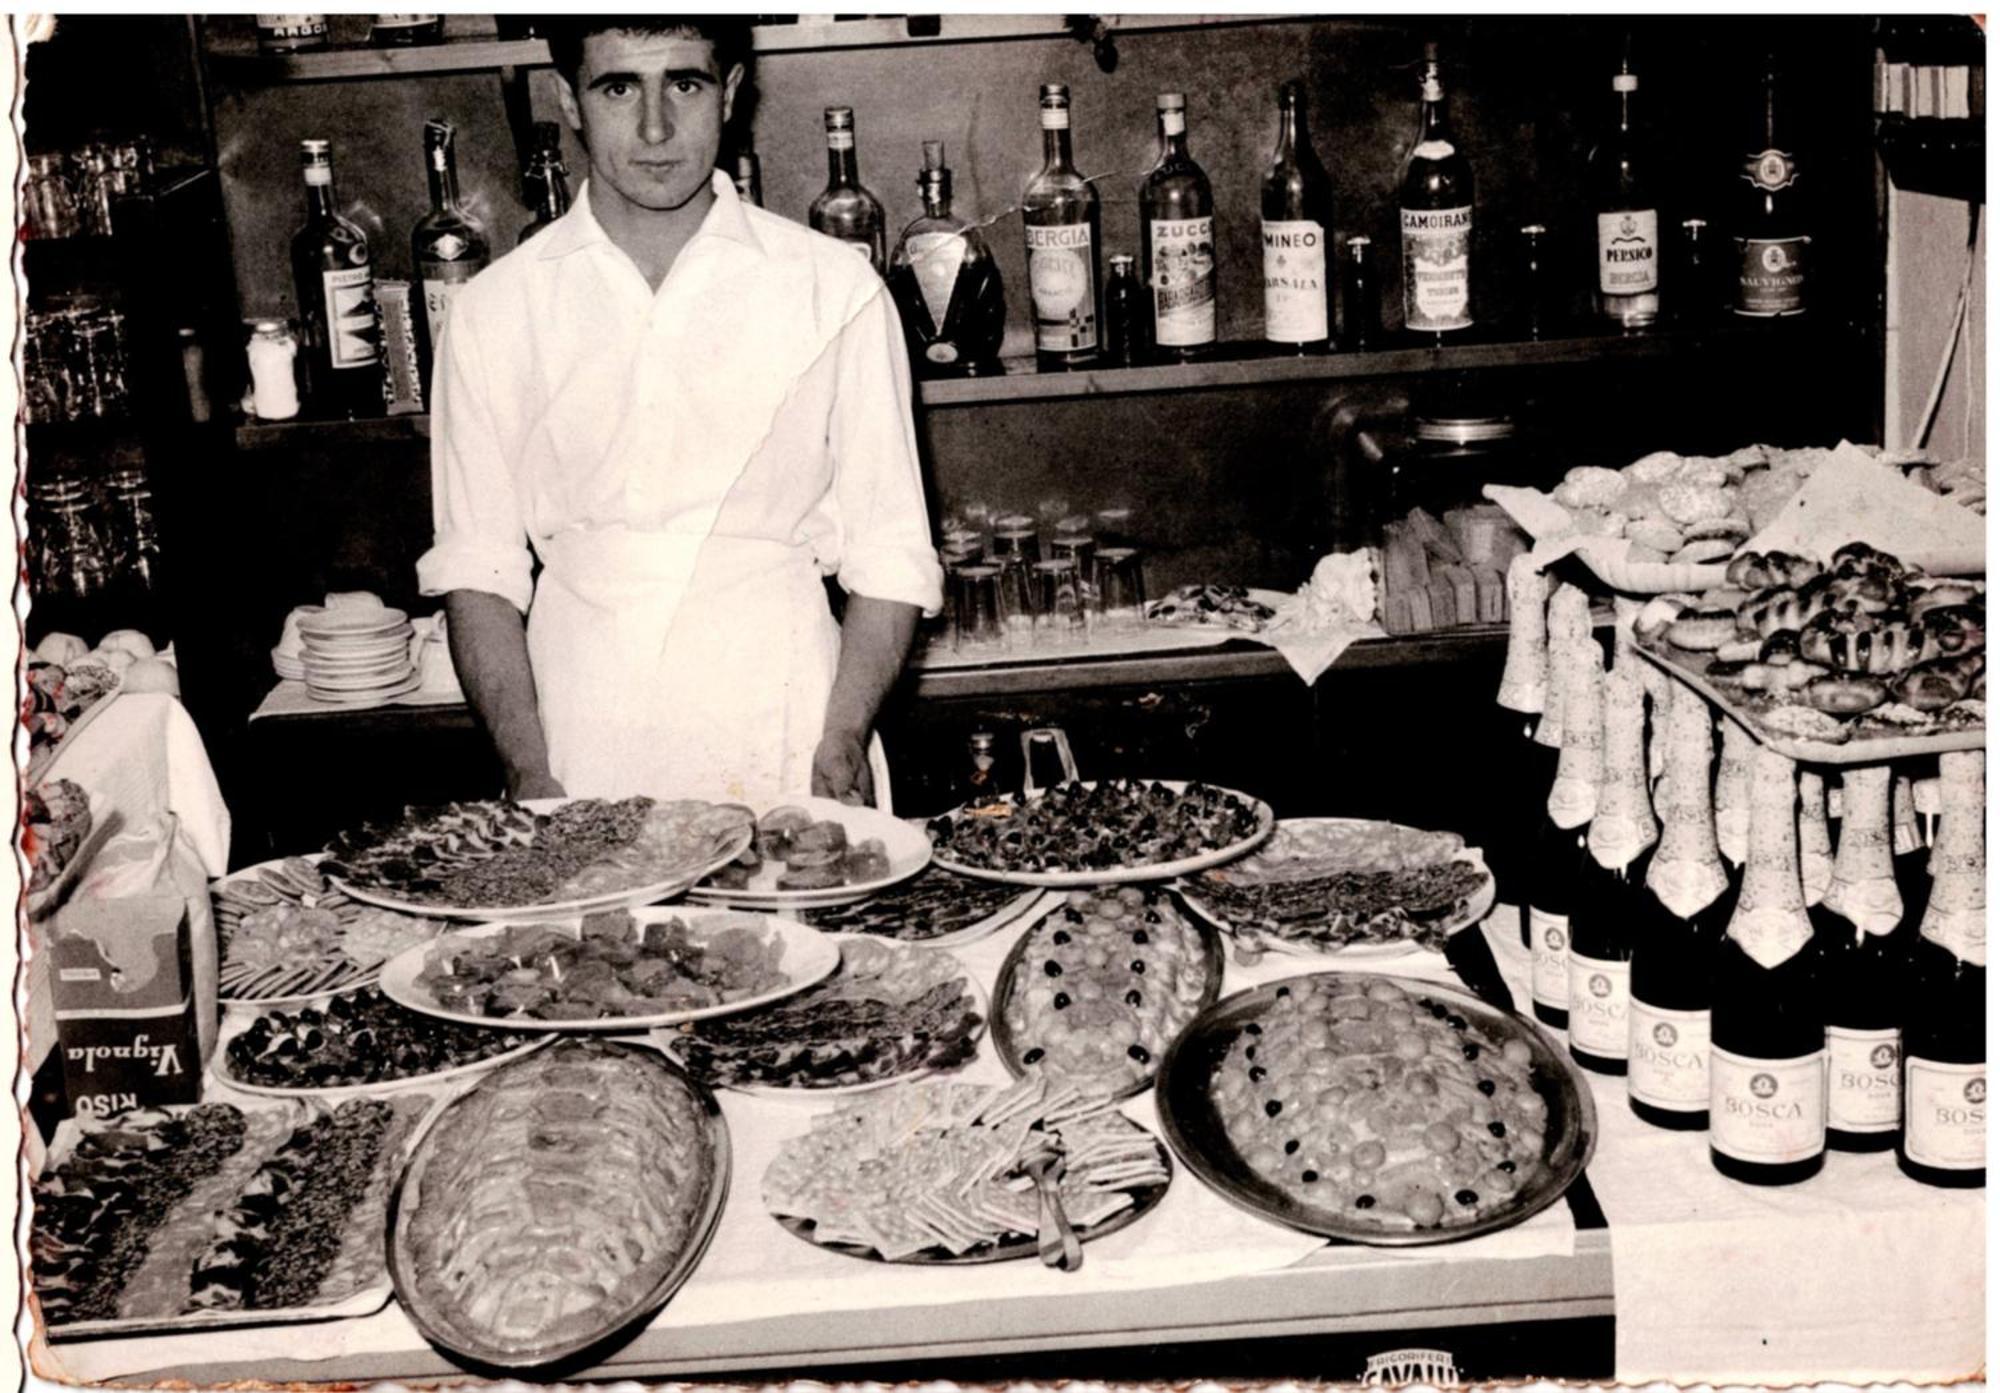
[[1062, 270], [1183, 281], [935, 260], [1767, 1111], [1628, 252], [1667, 1066], [1548, 935], [1437, 268], [1771, 276], [352, 338], [1295, 282], [1600, 996], [1944, 1110], [1864, 1086]]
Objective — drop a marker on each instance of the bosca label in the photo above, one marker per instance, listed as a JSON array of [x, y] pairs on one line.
[[1549, 939], [1769, 1111], [1944, 1122], [1864, 1091], [1061, 271], [1600, 992], [1667, 1063]]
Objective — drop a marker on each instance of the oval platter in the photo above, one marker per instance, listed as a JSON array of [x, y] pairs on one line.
[[909, 851]]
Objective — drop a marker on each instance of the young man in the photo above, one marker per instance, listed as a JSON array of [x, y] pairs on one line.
[[691, 410]]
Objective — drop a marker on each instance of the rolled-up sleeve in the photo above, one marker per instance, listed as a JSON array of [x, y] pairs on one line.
[[878, 488], [481, 541]]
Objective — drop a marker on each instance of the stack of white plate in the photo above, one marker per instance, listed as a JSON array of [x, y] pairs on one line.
[[357, 655]]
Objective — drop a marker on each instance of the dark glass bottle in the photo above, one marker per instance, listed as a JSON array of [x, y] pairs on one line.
[[1298, 222], [1360, 296], [1177, 240], [1436, 214], [946, 284], [1561, 852], [845, 210], [1059, 213], [448, 245], [333, 274], [546, 179], [1696, 297], [748, 177], [1526, 767], [1124, 314], [1772, 245], [1627, 292]]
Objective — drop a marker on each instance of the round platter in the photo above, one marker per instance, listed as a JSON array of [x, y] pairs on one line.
[[235, 1023], [1192, 1126], [810, 956], [1213, 963], [909, 851], [726, 849], [1006, 910], [338, 973], [1125, 875]]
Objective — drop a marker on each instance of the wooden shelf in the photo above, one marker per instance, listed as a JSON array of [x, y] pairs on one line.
[[306, 433]]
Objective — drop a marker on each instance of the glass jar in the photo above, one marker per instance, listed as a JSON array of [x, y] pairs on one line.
[[274, 373]]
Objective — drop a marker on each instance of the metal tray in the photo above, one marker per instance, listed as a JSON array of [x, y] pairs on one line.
[[1189, 1122], [1003, 993], [669, 1281]]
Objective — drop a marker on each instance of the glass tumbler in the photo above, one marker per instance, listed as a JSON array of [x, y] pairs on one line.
[[1016, 536], [1121, 585], [976, 608], [1059, 607]]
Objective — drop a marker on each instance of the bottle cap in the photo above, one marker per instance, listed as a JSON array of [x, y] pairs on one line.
[[1055, 92], [1694, 223], [933, 155], [839, 118], [1170, 101], [1121, 261], [1360, 239], [310, 148], [1534, 229]]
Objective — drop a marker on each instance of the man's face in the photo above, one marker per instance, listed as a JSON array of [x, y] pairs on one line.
[[650, 109]]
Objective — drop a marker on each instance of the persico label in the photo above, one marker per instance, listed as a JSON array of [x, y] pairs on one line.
[[1769, 1111], [353, 339], [1294, 282], [1061, 272], [1771, 276], [442, 282], [1628, 252], [1667, 1060], [1864, 1080], [1600, 995], [1437, 268], [1549, 935], [935, 259], [1183, 281], [1944, 1110]]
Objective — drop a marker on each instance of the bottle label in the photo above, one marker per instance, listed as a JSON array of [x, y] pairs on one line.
[[840, 140], [1055, 118], [1437, 268], [403, 21], [1600, 995], [1628, 252], [1549, 936], [1771, 278], [1667, 1059], [292, 26], [1864, 1085], [1294, 282], [1767, 1111], [442, 282], [1061, 273], [935, 260], [1770, 171], [1945, 1108], [352, 336], [1183, 281]]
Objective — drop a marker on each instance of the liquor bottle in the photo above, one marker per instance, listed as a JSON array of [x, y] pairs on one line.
[[1561, 853], [448, 246], [1697, 295], [748, 177], [1865, 958], [845, 210], [1944, 1032], [1911, 851], [1558, 625], [547, 179], [290, 33], [1059, 212], [405, 30], [1537, 310], [1628, 217], [1771, 239], [1360, 296], [1673, 958], [333, 273], [1436, 212], [1177, 239], [946, 284], [1298, 220], [1613, 895], [1124, 314], [1815, 839], [1767, 1056]]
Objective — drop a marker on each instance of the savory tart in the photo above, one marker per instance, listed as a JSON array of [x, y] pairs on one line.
[[933, 905]]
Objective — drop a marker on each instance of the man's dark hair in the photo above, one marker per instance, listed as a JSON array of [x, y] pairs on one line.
[[728, 34]]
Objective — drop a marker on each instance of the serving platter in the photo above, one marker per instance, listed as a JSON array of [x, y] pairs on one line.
[[295, 979], [909, 852], [1193, 1127], [1117, 875], [853, 918], [234, 1023], [809, 957]]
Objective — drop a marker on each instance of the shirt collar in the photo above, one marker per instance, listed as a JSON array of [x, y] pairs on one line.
[[579, 227]]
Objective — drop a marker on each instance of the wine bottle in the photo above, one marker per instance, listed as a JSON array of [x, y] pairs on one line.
[[1866, 957], [1673, 958], [1628, 217], [1298, 222], [1732, 792], [946, 284], [448, 245], [1767, 1056], [1436, 214], [1561, 853], [748, 177], [1944, 1032], [1815, 839], [547, 180], [1059, 213], [845, 210], [1771, 239], [1177, 239], [1912, 851], [333, 273], [1526, 765]]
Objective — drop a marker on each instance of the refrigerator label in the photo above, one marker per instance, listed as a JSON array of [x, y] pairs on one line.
[[1062, 268], [1437, 268], [1600, 994], [1771, 278], [1864, 1086], [1767, 1111], [1183, 281], [1295, 282], [352, 336], [1628, 252], [1548, 934], [1945, 1111], [1668, 1062]]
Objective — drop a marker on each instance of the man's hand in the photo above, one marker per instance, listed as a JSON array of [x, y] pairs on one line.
[[521, 787], [840, 769]]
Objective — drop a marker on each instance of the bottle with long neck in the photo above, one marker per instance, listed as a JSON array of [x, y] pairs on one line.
[[1815, 839], [846, 211], [1298, 222], [1436, 215], [1767, 1057], [1059, 214], [1859, 924], [333, 275], [747, 173], [1732, 792], [1560, 851], [1911, 849], [1944, 1032], [448, 246], [1177, 239], [1771, 240], [946, 285], [547, 179], [1628, 217], [1673, 961], [1526, 765]]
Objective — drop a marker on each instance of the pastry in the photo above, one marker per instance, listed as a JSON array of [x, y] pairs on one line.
[[1702, 630]]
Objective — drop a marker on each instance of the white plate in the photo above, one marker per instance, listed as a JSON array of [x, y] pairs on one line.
[[235, 1022], [359, 657], [810, 956], [908, 847], [1128, 875], [287, 666], [369, 698], [342, 647], [352, 621], [360, 681]]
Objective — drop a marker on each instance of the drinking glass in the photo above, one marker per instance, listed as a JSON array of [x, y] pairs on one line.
[[1121, 585], [1016, 536], [1017, 599], [976, 605], [1059, 609]]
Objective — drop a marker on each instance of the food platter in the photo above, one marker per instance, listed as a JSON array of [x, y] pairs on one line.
[[288, 937], [356, 1042], [876, 915], [1264, 820], [235, 1023], [907, 848], [585, 1101], [805, 956], [1194, 1125]]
